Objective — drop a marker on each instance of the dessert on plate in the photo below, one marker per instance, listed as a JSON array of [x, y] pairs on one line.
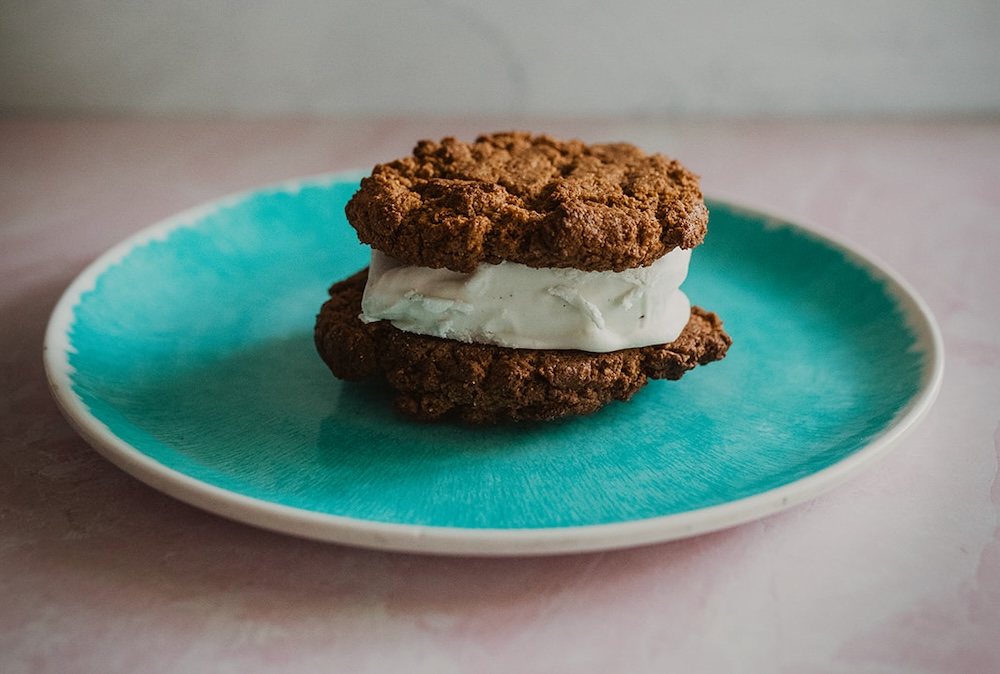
[[521, 277]]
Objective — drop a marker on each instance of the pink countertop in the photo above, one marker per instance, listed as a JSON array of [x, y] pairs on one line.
[[896, 571]]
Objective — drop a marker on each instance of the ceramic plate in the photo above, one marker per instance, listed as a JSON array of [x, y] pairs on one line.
[[184, 355]]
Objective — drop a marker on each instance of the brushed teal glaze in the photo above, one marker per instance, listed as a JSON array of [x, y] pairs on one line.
[[197, 350]]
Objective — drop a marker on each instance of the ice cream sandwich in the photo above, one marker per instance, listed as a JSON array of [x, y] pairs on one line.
[[520, 277]]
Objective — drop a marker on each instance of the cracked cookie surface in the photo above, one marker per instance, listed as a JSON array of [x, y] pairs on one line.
[[482, 384], [529, 199]]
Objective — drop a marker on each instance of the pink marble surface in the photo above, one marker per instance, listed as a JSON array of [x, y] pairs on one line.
[[897, 571]]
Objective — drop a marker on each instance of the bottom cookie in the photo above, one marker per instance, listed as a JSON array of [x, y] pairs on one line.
[[438, 379]]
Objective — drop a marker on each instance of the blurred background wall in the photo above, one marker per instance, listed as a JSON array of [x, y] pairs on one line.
[[521, 57]]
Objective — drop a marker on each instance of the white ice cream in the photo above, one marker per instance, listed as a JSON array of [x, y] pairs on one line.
[[513, 305]]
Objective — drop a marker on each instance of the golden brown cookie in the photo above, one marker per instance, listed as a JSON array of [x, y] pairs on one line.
[[477, 383], [529, 199]]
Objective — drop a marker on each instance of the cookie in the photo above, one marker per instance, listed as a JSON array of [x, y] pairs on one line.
[[521, 277], [529, 199], [483, 384]]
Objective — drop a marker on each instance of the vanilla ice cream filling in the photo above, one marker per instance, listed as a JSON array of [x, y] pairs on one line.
[[513, 305]]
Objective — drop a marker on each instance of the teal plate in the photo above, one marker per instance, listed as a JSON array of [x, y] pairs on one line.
[[184, 355]]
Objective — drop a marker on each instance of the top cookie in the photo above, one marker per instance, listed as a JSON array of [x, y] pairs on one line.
[[529, 199]]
